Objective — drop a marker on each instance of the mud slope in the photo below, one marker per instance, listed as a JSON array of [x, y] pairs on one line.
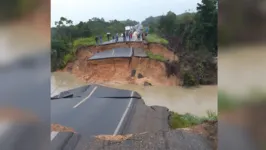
[[119, 70]]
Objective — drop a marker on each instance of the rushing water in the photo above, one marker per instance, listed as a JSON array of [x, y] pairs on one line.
[[196, 101]]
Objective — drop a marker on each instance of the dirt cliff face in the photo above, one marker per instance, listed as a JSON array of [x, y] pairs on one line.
[[119, 70]]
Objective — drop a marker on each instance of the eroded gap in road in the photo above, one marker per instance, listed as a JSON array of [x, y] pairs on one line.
[[118, 70]]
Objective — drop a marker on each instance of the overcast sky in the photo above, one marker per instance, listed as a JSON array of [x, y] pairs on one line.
[[82, 10]]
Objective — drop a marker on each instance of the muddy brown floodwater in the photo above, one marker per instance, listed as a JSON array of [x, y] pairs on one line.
[[196, 101], [242, 70]]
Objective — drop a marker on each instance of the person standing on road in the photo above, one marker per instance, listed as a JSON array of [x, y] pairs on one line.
[[127, 35], [113, 38], [130, 35], [116, 37], [96, 40], [143, 36], [101, 40], [124, 36]]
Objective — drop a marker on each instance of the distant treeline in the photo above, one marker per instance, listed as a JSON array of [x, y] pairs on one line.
[[66, 36]]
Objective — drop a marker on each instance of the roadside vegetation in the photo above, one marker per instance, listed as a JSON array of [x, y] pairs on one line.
[[153, 38], [90, 41], [155, 56], [193, 38], [67, 37], [188, 120]]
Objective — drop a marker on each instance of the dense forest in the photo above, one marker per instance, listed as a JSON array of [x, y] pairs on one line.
[[191, 35], [66, 37]]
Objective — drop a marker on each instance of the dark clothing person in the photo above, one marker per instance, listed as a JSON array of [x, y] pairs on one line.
[[108, 37], [124, 36], [143, 36], [101, 40], [96, 40], [116, 37]]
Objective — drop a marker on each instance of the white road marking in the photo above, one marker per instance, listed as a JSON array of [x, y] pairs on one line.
[[113, 52], [53, 135], [131, 52], [124, 115], [82, 101]]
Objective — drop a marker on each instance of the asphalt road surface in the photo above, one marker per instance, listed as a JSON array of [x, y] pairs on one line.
[[160, 140], [90, 113], [94, 109], [114, 53], [120, 40], [139, 52], [119, 52]]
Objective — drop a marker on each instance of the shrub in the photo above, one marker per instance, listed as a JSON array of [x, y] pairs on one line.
[[153, 38], [84, 42], [187, 120], [68, 57], [155, 56]]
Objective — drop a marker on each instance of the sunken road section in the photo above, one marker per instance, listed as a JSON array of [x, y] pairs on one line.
[[94, 109], [119, 53]]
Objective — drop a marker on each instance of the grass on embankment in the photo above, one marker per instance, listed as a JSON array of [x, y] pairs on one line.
[[188, 120], [155, 56], [153, 38], [90, 41]]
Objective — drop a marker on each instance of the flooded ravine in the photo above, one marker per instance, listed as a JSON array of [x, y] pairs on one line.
[[196, 101]]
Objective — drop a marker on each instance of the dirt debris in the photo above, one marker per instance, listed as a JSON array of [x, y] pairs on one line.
[[60, 128], [114, 137]]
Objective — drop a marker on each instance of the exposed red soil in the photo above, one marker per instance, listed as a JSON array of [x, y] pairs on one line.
[[60, 128], [118, 70]]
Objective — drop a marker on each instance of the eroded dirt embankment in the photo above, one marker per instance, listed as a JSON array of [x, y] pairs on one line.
[[119, 70]]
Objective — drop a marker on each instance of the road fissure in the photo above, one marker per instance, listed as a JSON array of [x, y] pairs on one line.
[[82, 101]]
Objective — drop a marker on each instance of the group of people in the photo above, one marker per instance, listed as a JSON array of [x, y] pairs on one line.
[[127, 36], [98, 40]]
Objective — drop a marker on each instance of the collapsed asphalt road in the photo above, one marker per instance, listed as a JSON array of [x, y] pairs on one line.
[[161, 140], [97, 110], [94, 110]]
